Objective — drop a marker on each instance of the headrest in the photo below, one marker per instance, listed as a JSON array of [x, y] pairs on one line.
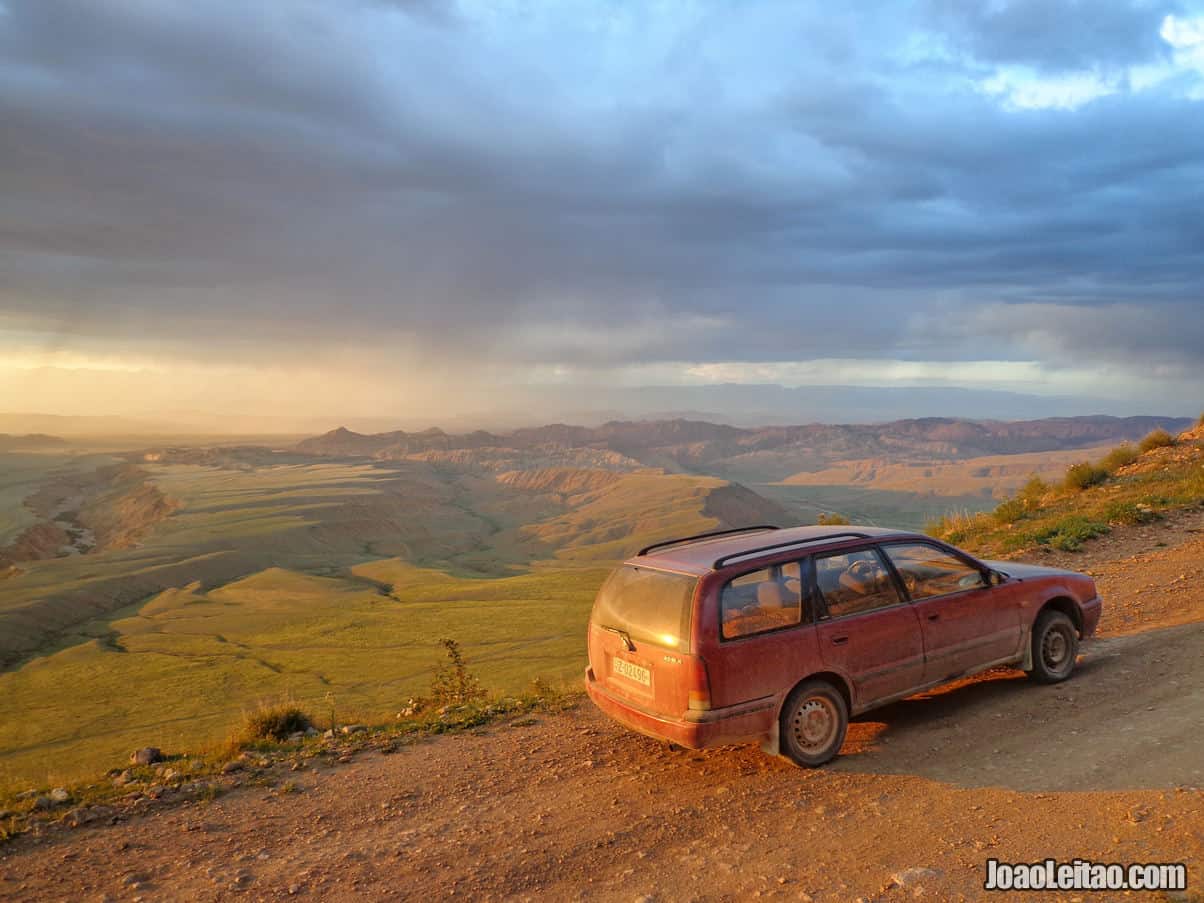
[[772, 594]]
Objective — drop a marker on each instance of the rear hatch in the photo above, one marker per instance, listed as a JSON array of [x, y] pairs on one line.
[[639, 640]]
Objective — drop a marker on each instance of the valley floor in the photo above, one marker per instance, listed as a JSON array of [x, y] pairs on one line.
[[1106, 767]]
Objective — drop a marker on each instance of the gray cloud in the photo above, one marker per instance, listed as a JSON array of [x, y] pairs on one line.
[[1057, 35], [602, 186]]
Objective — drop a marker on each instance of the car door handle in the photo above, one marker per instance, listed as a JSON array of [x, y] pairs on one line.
[[839, 640], [935, 616]]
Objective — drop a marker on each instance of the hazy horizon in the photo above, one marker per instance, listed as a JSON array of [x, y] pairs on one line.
[[304, 213]]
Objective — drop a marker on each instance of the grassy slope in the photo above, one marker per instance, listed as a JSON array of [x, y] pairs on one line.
[[178, 666], [322, 516], [1065, 518], [178, 671]]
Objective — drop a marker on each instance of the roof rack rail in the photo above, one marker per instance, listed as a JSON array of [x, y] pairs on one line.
[[725, 559], [701, 536]]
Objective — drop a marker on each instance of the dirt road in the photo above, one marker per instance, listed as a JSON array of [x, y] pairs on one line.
[[1108, 766]]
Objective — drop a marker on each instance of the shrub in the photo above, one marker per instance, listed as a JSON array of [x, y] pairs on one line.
[[453, 684], [1033, 491], [1010, 511], [1082, 475], [275, 722], [1158, 438], [956, 526], [831, 519], [1027, 500], [1124, 454], [1119, 512]]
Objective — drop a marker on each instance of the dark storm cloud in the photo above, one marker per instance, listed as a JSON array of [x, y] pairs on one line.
[[607, 186]]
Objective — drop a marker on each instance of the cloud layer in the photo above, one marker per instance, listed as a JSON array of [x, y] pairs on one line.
[[510, 189]]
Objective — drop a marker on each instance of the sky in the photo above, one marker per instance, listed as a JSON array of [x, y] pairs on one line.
[[422, 211]]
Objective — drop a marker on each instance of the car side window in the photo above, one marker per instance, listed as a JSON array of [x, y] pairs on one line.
[[928, 571], [768, 599], [854, 582]]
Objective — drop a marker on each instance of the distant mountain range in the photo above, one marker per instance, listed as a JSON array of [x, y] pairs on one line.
[[758, 454]]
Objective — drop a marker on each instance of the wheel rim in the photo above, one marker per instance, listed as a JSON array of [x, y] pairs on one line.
[[1055, 650], [814, 724]]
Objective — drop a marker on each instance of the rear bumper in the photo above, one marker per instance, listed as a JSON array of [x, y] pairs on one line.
[[1091, 611], [745, 723]]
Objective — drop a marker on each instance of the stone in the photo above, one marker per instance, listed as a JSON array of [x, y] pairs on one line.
[[78, 817], [913, 876], [354, 729], [148, 755], [231, 767], [59, 795]]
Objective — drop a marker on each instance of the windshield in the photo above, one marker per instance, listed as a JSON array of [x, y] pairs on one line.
[[648, 605]]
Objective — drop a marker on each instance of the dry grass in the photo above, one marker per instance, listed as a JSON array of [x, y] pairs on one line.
[[1156, 439]]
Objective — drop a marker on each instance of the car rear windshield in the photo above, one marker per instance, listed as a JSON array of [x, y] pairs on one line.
[[648, 605]]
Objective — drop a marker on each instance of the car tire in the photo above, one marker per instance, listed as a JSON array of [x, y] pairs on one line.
[[1055, 647], [813, 723]]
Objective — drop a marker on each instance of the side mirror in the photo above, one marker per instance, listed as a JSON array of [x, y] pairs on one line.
[[994, 578]]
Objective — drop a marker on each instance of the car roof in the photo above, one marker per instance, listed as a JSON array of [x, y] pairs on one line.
[[698, 556]]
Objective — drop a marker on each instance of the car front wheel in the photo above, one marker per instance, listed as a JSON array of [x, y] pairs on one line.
[[1055, 647], [814, 721]]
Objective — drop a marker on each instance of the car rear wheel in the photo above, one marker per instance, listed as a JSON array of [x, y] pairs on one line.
[[1055, 647], [814, 721]]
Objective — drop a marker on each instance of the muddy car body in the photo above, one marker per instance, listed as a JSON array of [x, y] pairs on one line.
[[779, 636]]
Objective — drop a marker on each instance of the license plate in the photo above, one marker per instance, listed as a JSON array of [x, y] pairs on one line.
[[637, 673]]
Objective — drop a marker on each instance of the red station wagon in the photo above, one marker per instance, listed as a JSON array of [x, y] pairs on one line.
[[778, 636]]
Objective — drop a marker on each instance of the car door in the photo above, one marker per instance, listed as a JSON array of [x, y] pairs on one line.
[[967, 623], [867, 630]]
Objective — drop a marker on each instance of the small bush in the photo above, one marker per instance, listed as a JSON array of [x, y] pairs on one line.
[[275, 722], [1010, 511], [831, 519], [956, 526], [1033, 491], [453, 684], [1130, 513], [1121, 456], [1158, 438], [1082, 475]]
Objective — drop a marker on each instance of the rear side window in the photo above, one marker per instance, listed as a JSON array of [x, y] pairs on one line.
[[649, 605], [854, 582], [765, 600]]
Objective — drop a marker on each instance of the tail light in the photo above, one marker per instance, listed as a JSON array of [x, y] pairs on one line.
[[699, 684]]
